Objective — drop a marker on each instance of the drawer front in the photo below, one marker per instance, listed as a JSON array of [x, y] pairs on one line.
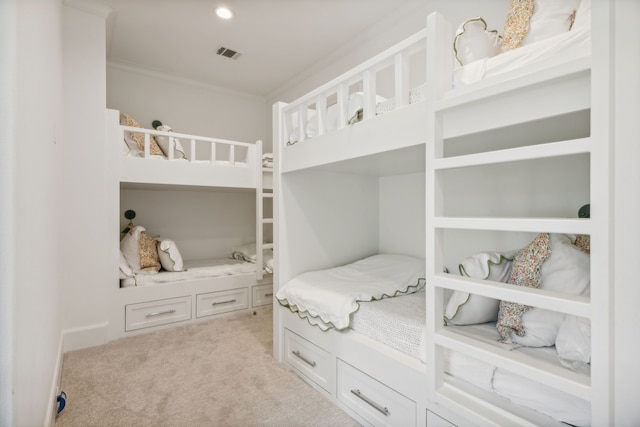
[[434, 420], [156, 313], [308, 359], [372, 400], [262, 295], [220, 302]]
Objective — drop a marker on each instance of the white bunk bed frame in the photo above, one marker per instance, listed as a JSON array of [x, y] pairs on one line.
[[574, 85], [141, 309]]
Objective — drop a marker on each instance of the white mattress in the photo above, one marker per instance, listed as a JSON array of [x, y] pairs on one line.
[[400, 323], [197, 269], [563, 47]]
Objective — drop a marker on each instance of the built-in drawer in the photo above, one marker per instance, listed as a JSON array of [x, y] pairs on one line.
[[220, 302], [435, 420], [372, 400], [308, 359], [262, 295], [156, 313]]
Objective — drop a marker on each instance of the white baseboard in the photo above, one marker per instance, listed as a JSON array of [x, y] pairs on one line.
[[87, 336], [52, 409], [72, 339]]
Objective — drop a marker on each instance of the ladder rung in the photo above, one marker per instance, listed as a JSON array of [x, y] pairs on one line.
[[267, 194], [267, 246], [267, 220]]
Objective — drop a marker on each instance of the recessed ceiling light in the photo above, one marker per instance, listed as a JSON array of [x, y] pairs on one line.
[[224, 12]]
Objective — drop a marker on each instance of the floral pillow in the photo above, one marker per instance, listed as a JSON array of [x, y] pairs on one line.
[[138, 138], [529, 21], [552, 262], [140, 251], [516, 26]]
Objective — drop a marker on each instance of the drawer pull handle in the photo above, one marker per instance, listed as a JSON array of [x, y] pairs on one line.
[[269, 294], [158, 313], [304, 359], [223, 302], [377, 407]]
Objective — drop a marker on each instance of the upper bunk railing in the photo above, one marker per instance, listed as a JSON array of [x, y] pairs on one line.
[[200, 149], [313, 109]]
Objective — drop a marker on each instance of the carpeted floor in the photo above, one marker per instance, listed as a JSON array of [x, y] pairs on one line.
[[219, 372]]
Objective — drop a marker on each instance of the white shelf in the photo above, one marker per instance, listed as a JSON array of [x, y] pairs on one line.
[[529, 367]]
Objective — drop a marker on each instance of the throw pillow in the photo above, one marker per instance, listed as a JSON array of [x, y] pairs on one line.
[[465, 308], [170, 256], [138, 138], [516, 25], [473, 41]]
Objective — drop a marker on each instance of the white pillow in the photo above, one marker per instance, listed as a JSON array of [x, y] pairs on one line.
[[550, 18], [567, 270], [573, 343], [125, 269], [246, 252], [464, 308], [583, 17], [169, 255], [474, 42], [163, 142]]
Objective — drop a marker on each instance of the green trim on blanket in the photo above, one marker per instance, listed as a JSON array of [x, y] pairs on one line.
[[329, 325]]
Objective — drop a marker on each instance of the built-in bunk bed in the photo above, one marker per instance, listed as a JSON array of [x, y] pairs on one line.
[[190, 229], [506, 142]]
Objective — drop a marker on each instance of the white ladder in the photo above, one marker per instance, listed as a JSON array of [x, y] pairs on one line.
[[261, 220]]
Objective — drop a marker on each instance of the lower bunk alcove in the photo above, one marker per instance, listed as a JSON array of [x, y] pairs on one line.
[[207, 236]]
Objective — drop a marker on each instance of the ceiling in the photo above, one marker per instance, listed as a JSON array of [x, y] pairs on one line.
[[277, 39]]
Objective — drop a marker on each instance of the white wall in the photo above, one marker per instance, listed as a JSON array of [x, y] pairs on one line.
[[187, 107], [212, 223], [31, 104], [84, 233], [402, 211]]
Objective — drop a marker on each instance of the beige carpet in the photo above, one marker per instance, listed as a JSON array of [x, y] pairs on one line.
[[219, 372]]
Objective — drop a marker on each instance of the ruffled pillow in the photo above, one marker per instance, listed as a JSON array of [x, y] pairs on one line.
[[170, 256], [464, 308], [473, 41]]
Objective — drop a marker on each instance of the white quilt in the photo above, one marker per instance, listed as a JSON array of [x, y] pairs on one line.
[[326, 298]]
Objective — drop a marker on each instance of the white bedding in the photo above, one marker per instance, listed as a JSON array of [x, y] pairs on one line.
[[197, 269], [400, 323], [565, 46], [342, 288]]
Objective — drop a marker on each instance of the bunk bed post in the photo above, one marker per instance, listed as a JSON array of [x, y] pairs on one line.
[[601, 213], [439, 73], [279, 243], [259, 211]]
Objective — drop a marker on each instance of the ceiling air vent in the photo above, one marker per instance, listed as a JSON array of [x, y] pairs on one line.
[[227, 53]]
